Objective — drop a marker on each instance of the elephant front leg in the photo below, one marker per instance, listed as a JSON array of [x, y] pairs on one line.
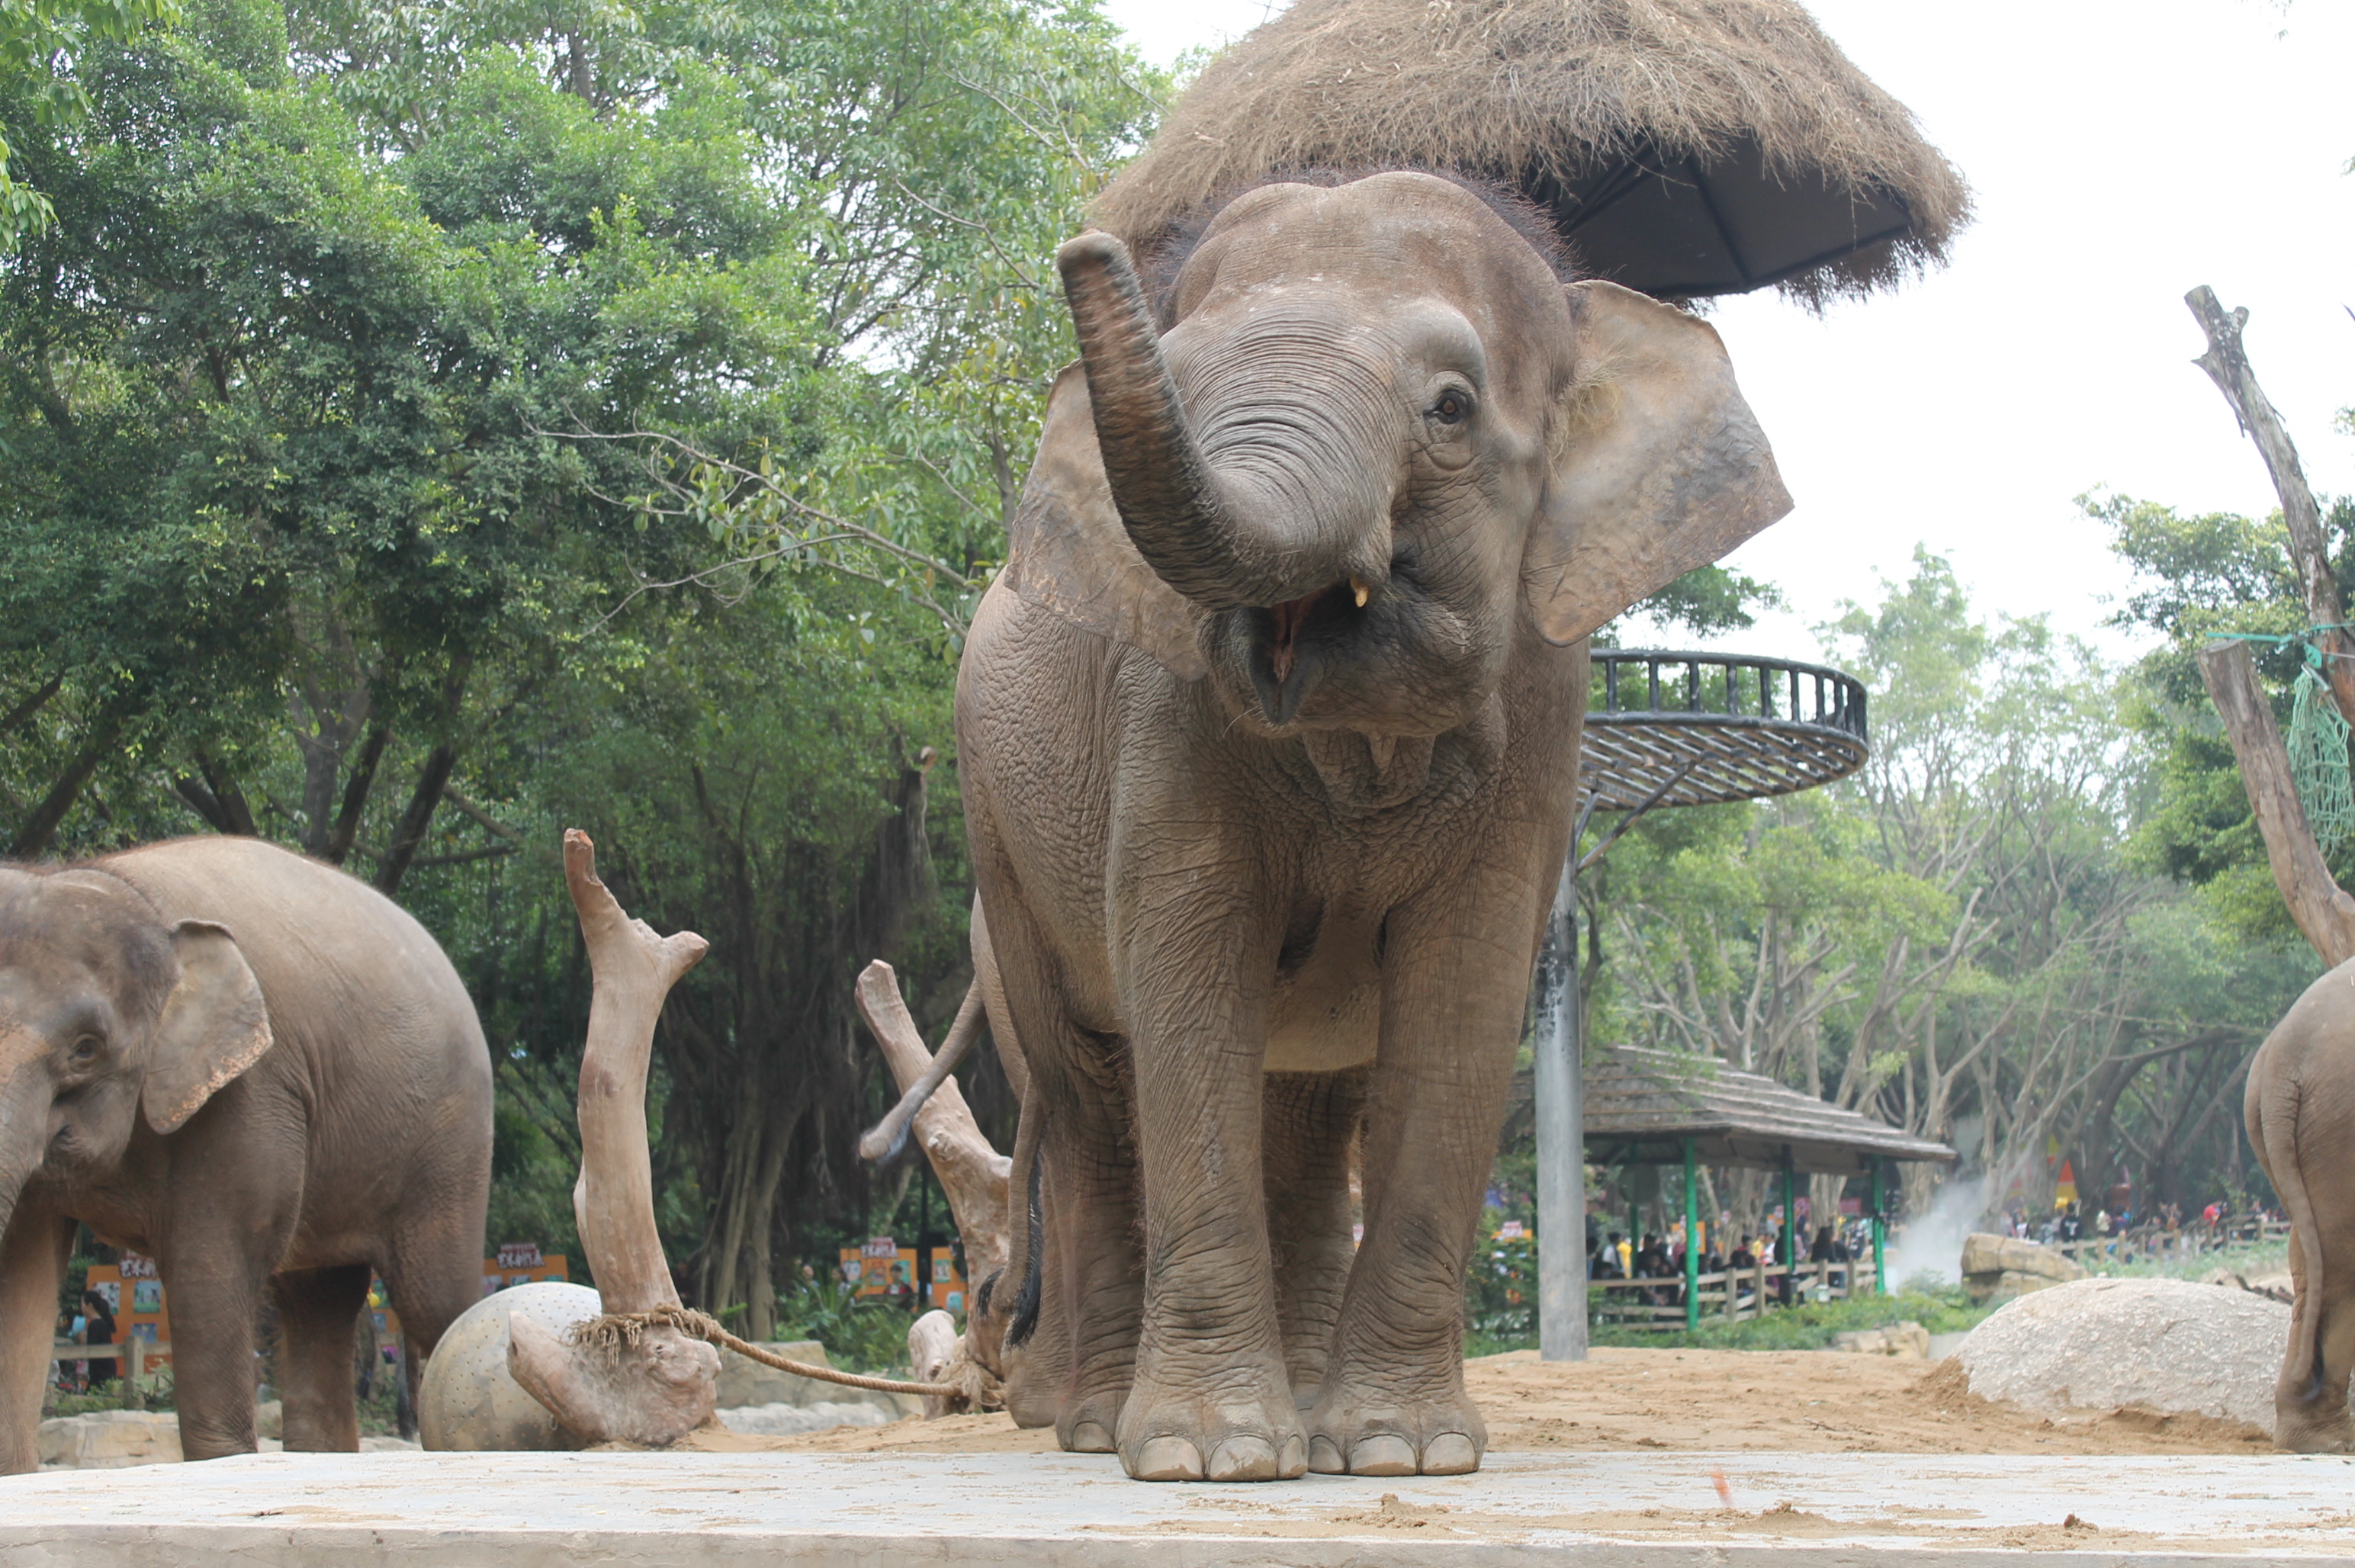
[[214, 1292], [1210, 1397], [32, 1265], [1393, 1401], [1309, 1127]]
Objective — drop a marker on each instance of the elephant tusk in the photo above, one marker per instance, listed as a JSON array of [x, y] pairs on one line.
[[1357, 586]]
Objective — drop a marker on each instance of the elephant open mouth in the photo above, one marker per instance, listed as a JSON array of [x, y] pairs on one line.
[[1290, 652]]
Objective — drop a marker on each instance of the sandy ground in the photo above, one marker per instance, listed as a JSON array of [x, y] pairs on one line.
[[1794, 1402]]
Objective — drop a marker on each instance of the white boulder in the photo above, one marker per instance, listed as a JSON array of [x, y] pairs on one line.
[[2167, 1345]]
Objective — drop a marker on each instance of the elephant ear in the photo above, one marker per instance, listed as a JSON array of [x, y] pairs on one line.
[[1658, 464], [1069, 552], [215, 1025]]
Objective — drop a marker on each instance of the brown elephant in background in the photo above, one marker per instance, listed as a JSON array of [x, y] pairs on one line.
[[260, 1072], [1268, 734], [2300, 1109]]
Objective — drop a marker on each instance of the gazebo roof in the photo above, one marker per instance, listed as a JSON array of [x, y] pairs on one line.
[[1642, 1105]]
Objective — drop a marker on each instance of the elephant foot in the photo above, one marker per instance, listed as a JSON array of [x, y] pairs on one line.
[[1086, 1424], [1374, 1435], [2303, 1431], [1170, 1432]]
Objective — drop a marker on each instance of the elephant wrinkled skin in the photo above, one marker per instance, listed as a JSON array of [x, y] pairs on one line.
[[2300, 1109], [263, 1075], [1268, 737]]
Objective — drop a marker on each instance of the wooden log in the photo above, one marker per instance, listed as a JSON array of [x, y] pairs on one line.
[[646, 1384], [2323, 912], [973, 1174], [2227, 364]]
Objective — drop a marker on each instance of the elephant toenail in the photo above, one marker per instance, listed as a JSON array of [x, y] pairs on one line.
[[1325, 1457], [1290, 1463], [1381, 1455], [1450, 1453], [1243, 1459], [1089, 1437], [1167, 1459]]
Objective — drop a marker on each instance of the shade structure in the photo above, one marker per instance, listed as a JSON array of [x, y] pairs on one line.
[[1641, 1106], [1685, 148]]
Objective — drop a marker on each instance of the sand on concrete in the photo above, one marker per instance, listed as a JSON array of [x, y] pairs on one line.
[[1794, 1402]]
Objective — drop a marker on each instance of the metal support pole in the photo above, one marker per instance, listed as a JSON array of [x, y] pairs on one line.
[[1692, 1240], [1790, 1226], [1879, 1233], [1562, 1138]]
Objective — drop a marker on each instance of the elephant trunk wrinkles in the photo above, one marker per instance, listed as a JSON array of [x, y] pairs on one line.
[[23, 1105], [1249, 531]]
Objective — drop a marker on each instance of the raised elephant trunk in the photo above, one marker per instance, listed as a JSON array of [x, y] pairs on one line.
[[24, 1105], [1223, 539]]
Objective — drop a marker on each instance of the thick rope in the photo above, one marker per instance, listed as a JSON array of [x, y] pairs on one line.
[[616, 1330]]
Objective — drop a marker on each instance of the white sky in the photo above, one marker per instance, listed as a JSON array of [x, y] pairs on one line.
[[2121, 151]]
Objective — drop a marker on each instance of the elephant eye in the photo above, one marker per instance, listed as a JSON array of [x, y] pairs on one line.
[[1454, 407], [84, 1052]]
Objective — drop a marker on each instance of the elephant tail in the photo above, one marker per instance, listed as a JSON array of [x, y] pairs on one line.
[[2271, 1109], [1025, 1321]]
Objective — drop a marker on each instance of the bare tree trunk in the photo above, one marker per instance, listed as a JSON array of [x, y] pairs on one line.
[[345, 831], [2323, 911], [40, 826], [644, 1382], [2227, 364]]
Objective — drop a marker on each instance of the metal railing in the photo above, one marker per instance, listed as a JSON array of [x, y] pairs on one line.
[[1706, 728]]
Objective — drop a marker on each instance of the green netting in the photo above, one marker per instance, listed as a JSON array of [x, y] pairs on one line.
[[2317, 762]]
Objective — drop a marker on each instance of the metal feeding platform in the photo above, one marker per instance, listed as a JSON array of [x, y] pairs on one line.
[[1666, 728]]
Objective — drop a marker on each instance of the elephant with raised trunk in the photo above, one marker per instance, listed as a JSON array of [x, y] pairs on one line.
[[265, 1076], [1269, 733]]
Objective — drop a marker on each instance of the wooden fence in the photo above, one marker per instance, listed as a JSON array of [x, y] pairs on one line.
[[1737, 1293], [1727, 1296]]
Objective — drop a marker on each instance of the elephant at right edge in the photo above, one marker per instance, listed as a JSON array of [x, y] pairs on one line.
[[1269, 734], [2300, 1108]]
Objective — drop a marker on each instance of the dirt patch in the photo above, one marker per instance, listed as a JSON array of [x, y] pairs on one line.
[[1795, 1402]]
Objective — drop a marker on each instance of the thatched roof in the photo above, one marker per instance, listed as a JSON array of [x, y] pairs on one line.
[[1640, 1106], [1684, 147]]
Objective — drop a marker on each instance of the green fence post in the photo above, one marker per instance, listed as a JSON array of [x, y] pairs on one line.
[[1879, 1233], [1692, 1242]]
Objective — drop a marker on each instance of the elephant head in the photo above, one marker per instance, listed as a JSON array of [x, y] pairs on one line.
[[108, 1014], [1364, 441]]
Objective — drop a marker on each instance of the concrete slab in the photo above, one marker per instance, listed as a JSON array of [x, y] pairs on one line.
[[821, 1510]]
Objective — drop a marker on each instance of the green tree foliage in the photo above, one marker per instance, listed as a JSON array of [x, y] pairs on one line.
[[1963, 939], [40, 40], [2197, 578], [346, 403]]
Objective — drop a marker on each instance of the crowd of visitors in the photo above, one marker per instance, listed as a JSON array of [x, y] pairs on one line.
[[1614, 1254], [2162, 1228]]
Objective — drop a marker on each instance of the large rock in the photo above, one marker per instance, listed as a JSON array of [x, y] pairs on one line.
[[1907, 1339], [2007, 1265], [2167, 1345], [110, 1439], [790, 1420], [468, 1400], [745, 1383]]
